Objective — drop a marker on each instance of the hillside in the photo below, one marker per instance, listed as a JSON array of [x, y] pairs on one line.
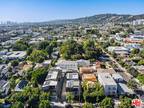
[[102, 19]]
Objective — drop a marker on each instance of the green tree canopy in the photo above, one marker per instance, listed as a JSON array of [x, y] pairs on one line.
[[17, 105], [88, 105], [106, 103], [125, 103], [20, 46], [69, 97], [38, 56]]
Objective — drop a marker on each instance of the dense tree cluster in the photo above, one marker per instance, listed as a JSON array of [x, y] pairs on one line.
[[132, 84], [20, 46], [106, 103], [14, 63], [88, 105], [37, 76], [30, 97], [48, 46], [125, 102], [94, 93], [140, 77], [74, 50], [38, 56]]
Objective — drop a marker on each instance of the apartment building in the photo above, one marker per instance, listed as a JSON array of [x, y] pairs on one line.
[[110, 86]]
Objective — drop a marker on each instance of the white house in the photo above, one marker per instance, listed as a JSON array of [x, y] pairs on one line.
[[110, 86], [120, 50]]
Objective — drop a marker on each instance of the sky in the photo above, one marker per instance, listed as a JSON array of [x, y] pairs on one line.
[[47, 10]]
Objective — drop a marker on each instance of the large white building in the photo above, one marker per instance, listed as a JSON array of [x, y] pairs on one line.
[[120, 50], [110, 86], [68, 65], [52, 83]]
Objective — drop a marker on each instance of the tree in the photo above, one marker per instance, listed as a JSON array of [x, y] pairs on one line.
[[29, 50], [17, 105], [71, 48], [44, 104], [141, 62], [125, 102], [132, 84], [39, 75], [44, 96], [133, 71], [42, 45], [33, 100], [14, 63], [12, 82], [98, 92], [140, 77], [20, 46], [38, 56], [88, 105], [142, 53], [106, 103], [135, 51], [85, 88], [69, 97]]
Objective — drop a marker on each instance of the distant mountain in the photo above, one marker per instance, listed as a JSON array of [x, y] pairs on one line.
[[101, 19]]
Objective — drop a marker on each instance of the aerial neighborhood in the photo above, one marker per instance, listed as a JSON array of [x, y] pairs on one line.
[[71, 65]]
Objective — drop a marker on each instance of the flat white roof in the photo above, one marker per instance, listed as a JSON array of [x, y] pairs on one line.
[[50, 83], [72, 75], [106, 79], [117, 76], [72, 83], [123, 88], [52, 75]]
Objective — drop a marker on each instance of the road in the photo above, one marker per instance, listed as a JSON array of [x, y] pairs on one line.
[[124, 72]]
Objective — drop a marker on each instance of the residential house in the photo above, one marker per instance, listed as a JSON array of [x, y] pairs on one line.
[[109, 84], [72, 76], [53, 83], [90, 79], [124, 90], [67, 65], [4, 87], [119, 50], [117, 77], [85, 70], [109, 70], [83, 62], [74, 87], [21, 85], [15, 55], [134, 39], [139, 68]]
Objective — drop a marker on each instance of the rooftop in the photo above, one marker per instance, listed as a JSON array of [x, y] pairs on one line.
[[110, 70], [122, 88], [72, 83], [106, 79], [89, 77], [72, 76], [117, 76], [86, 70], [52, 75], [50, 83]]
